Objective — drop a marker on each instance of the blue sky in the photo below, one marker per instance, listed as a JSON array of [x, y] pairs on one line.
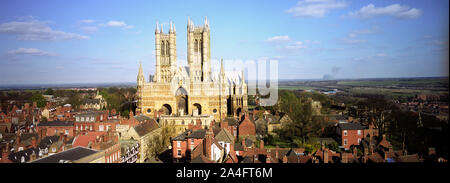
[[103, 41]]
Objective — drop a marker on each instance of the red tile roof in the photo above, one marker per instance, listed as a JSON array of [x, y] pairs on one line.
[[83, 140]]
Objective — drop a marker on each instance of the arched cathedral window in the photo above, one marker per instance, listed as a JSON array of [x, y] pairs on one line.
[[167, 48], [163, 48]]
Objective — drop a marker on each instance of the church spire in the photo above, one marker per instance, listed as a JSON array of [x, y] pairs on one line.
[[222, 73], [140, 69], [171, 27], [157, 28], [140, 77]]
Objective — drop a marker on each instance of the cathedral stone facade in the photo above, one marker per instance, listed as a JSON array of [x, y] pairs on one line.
[[186, 92]]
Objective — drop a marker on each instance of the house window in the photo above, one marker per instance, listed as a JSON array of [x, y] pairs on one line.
[[78, 118], [345, 132], [67, 132], [359, 140], [76, 128], [82, 118], [92, 118], [22, 159], [178, 144], [345, 142], [359, 132], [179, 153], [101, 128], [91, 127]]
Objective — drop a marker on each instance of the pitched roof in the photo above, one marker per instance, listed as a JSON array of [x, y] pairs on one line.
[[201, 159], [146, 127], [15, 157], [224, 135], [56, 123], [413, 158], [85, 140], [141, 118], [72, 154], [47, 141], [351, 126], [198, 134]]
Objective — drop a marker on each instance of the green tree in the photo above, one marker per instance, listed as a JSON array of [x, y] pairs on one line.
[[49, 92], [75, 100], [158, 143], [39, 99]]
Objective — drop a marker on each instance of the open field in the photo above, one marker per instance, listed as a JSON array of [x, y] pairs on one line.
[[392, 88]]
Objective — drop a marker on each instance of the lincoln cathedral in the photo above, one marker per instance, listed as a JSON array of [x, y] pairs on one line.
[[191, 93]]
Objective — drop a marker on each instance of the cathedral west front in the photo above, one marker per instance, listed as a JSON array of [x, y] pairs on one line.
[[192, 93]]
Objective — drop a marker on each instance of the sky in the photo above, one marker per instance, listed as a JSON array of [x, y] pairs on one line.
[[103, 41]]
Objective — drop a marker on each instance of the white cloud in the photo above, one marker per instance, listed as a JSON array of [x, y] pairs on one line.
[[352, 37], [120, 24], [35, 30], [380, 55], [315, 8], [347, 40], [394, 10], [278, 39], [87, 21], [89, 29], [296, 45], [30, 51]]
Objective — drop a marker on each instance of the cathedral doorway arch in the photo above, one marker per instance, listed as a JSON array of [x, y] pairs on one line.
[[182, 101], [198, 108], [238, 111], [167, 109]]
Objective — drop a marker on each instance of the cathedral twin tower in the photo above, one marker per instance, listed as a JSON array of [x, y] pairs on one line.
[[192, 91], [198, 52]]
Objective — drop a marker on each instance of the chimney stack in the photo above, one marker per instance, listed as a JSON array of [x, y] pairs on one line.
[[325, 156], [276, 152]]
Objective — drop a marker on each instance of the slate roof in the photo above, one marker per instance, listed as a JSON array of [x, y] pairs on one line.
[[232, 121], [16, 157], [413, 158], [56, 123], [181, 137], [224, 135], [201, 159], [198, 134], [47, 141], [72, 154], [351, 126], [146, 127], [141, 118]]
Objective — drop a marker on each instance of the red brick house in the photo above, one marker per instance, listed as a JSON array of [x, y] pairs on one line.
[[97, 121], [184, 144], [51, 128], [247, 128], [350, 134]]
